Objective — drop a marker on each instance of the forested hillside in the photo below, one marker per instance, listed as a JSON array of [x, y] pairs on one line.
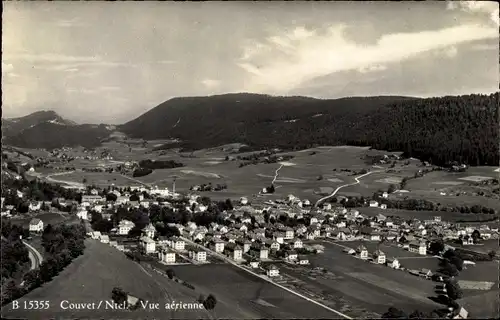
[[440, 130]]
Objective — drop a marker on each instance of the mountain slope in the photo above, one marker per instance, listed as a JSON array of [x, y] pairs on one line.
[[49, 135], [15, 126], [444, 129]]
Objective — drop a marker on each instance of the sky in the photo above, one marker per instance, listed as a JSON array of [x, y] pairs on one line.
[[109, 62]]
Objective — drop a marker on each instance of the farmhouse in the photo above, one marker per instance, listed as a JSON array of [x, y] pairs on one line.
[[36, 225], [148, 244], [363, 252], [417, 247], [166, 255], [125, 226], [272, 271], [379, 257]]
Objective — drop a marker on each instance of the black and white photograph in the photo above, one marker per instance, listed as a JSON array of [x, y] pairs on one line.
[[250, 160]]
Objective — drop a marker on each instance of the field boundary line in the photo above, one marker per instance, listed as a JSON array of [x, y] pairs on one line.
[[272, 282]]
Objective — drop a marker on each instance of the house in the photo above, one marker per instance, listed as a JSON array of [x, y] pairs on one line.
[[373, 204], [417, 247], [383, 206], [82, 214], [237, 252], [246, 246], [291, 256], [275, 245], [35, 206], [125, 226], [96, 235], [272, 271], [289, 234], [468, 240], [310, 236], [303, 260], [243, 201], [198, 255], [426, 273], [36, 225], [462, 314], [104, 238], [92, 198], [254, 264], [219, 246], [437, 218], [385, 195], [278, 236], [264, 253], [166, 255], [177, 243], [297, 244], [149, 231], [394, 263], [375, 236], [350, 251], [148, 244], [363, 252], [379, 257]]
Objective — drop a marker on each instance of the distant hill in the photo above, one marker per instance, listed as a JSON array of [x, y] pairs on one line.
[[49, 135], [439, 130], [13, 126]]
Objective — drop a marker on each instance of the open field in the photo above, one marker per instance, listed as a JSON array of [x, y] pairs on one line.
[[91, 278], [100, 179], [242, 295], [425, 215], [391, 250], [376, 287]]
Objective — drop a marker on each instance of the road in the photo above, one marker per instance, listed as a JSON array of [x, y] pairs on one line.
[[135, 180], [35, 256], [345, 185], [338, 313], [276, 174], [70, 183]]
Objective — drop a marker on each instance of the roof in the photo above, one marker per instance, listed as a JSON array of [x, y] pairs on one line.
[[35, 221]]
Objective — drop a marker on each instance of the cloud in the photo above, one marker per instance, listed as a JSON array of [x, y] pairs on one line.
[[489, 8], [311, 54], [451, 52], [210, 83]]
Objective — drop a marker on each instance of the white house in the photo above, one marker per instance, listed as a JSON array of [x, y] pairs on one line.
[[379, 257], [275, 245], [363, 252], [416, 247], [198, 255], [394, 264], [177, 243], [254, 264], [219, 246], [149, 231], [166, 256], [237, 253], [82, 214], [292, 256], [383, 206], [36, 225], [273, 271], [246, 246], [303, 260], [104, 238], [297, 244], [373, 203], [243, 201], [385, 195], [125, 226], [289, 233], [264, 253], [148, 244]]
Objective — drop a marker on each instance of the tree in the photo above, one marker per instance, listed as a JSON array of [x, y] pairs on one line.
[[391, 189], [476, 235], [418, 315], [201, 298], [32, 279], [449, 269], [436, 247], [210, 302], [84, 180], [394, 313], [458, 262], [118, 295], [170, 274], [492, 254], [453, 290]]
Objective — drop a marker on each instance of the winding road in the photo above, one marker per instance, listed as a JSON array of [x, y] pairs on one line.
[[276, 174], [35, 256], [345, 185]]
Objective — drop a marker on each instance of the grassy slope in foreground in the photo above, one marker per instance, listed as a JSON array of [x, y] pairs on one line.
[[91, 277]]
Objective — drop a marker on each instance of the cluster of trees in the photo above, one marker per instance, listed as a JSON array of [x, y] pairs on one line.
[[436, 130], [268, 159], [141, 172], [14, 260], [208, 187], [159, 164]]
